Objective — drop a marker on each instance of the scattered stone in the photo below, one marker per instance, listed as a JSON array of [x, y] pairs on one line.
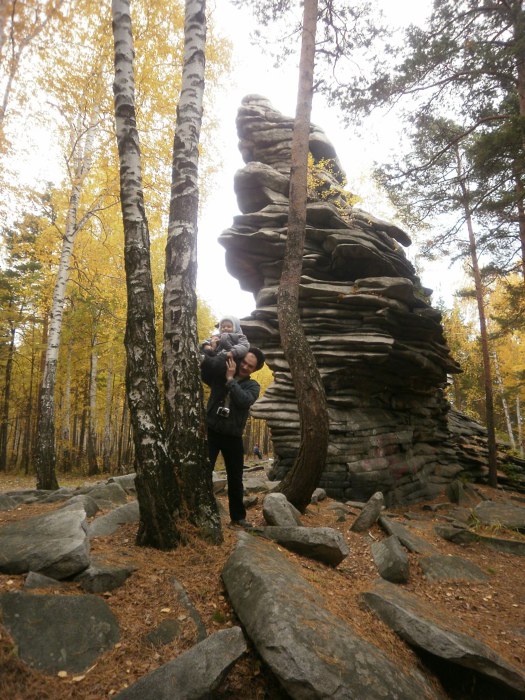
[[391, 560], [460, 493], [111, 493], [195, 674], [166, 632], [501, 514], [250, 501], [322, 543], [110, 522], [369, 514], [83, 501], [277, 510], [415, 622], [185, 601], [57, 632], [220, 482], [125, 481], [6, 502], [412, 542], [34, 580], [462, 535], [313, 653], [54, 544], [318, 495], [100, 577], [451, 568]]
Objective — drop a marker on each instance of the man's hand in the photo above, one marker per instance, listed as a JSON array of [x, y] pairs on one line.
[[231, 368]]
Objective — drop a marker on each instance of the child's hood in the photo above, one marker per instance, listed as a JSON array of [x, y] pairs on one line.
[[235, 322]]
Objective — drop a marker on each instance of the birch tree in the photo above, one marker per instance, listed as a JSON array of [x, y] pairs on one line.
[[159, 470], [45, 452], [182, 386]]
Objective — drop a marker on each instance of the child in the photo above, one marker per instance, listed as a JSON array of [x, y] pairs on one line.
[[230, 341]]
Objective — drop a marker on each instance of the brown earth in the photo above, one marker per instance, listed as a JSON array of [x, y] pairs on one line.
[[492, 611]]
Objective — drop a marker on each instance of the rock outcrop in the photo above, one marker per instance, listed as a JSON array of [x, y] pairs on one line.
[[378, 342]]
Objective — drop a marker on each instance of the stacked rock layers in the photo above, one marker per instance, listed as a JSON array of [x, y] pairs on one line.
[[378, 342]]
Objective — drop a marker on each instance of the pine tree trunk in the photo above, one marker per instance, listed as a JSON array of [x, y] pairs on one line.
[[519, 424], [92, 429], [157, 489], [65, 460], [4, 416], [487, 372], [106, 440], [26, 442], [302, 479], [180, 359]]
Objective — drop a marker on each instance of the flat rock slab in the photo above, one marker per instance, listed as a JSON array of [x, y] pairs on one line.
[[109, 523], [321, 543], [415, 622], [103, 576], [54, 544], [460, 535], [412, 542], [195, 674], [313, 653], [59, 633], [503, 514], [449, 568], [391, 560], [107, 493]]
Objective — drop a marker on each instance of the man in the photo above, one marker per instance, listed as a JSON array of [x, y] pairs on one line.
[[226, 415]]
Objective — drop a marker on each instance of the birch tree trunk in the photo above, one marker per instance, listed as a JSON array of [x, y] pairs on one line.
[[184, 405], [4, 408], [45, 452], [499, 381], [519, 423], [302, 479], [157, 489]]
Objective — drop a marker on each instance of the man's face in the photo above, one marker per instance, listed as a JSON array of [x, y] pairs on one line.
[[247, 366], [226, 327]]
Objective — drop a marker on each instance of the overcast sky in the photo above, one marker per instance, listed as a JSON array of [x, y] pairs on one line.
[[254, 73]]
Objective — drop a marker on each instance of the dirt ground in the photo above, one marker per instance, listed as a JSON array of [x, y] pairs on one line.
[[493, 611]]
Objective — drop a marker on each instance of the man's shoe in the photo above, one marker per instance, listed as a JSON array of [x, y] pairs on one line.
[[241, 523]]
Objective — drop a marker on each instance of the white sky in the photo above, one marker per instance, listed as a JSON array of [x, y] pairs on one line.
[[254, 73]]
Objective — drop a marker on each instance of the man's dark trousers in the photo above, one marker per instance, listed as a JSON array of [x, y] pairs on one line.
[[232, 450]]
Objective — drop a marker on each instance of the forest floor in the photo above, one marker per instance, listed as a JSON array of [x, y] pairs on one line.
[[493, 611]]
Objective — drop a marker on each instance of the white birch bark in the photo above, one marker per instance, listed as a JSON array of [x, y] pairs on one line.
[[183, 389], [157, 489], [499, 382], [45, 455]]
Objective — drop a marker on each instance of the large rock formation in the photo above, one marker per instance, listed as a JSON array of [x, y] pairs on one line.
[[378, 342]]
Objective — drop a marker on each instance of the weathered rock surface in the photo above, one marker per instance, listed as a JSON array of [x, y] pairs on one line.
[[313, 653], [462, 535], [407, 538], [102, 576], [108, 523], [322, 543], [277, 510], [59, 633], [377, 340], [369, 514], [415, 622], [194, 675], [391, 560], [55, 544], [450, 568], [502, 514]]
